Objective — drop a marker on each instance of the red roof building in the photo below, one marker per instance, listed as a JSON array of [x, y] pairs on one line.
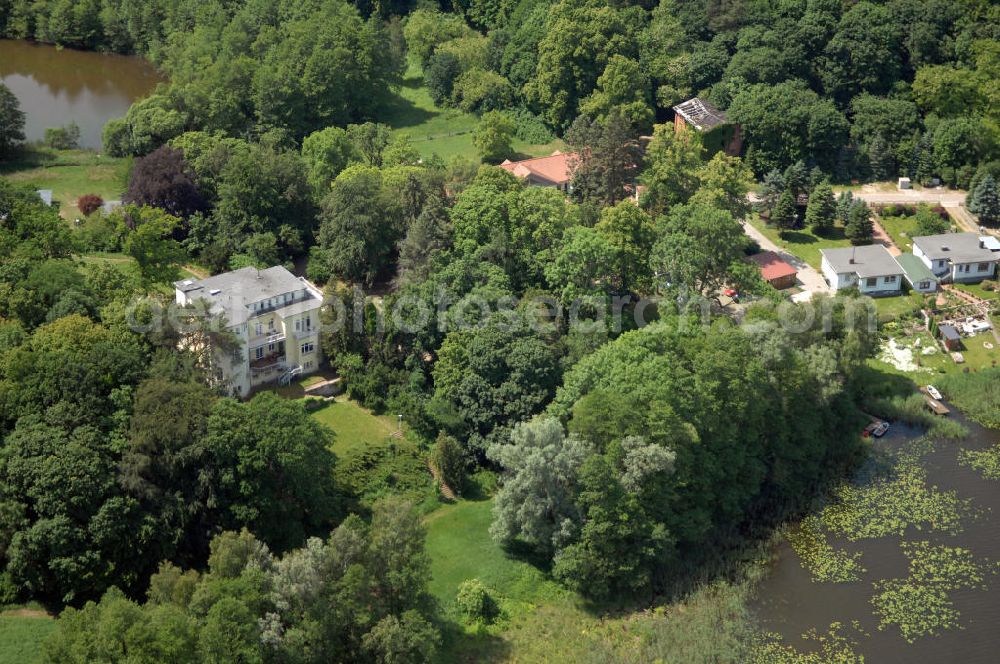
[[556, 170], [775, 271]]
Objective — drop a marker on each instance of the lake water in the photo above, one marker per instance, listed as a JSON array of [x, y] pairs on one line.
[[791, 603], [59, 86]]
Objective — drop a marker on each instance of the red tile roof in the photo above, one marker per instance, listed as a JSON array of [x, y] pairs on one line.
[[771, 266], [556, 169]]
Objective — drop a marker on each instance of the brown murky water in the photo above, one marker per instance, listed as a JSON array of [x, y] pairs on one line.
[[59, 86], [790, 603]]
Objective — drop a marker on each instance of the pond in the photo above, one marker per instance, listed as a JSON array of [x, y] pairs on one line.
[[57, 86], [791, 602]]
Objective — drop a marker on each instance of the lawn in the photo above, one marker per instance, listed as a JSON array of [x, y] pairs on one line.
[[69, 174], [446, 132], [372, 462], [355, 426], [803, 242], [977, 290], [901, 229], [22, 631], [893, 307], [540, 621]]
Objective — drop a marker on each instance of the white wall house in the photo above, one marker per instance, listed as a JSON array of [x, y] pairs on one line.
[[917, 274], [274, 315], [963, 257], [871, 269]]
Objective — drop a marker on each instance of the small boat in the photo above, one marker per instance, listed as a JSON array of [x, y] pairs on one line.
[[934, 392], [876, 428]]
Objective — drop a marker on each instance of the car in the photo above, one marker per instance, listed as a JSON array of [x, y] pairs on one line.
[[934, 392], [732, 294]]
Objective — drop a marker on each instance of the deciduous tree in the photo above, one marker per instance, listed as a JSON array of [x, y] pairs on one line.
[[11, 122]]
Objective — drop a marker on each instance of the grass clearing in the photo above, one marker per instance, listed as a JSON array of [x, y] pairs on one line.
[[356, 427], [22, 632], [69, 174], [371, 461], [446, 132], [803, 243], [901, 230], [540, 621]]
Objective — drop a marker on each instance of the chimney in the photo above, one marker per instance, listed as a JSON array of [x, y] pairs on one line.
[[982, 243]]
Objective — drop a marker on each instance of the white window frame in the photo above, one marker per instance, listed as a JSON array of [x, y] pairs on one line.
[[307, 348]]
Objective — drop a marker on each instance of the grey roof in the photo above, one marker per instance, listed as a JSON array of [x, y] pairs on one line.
[[700, 113], [231, 293], [872, 260], [956, 247], [915, 269], [949, 332]]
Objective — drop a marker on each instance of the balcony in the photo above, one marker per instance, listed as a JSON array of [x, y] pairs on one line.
[[269, 337], [268, 362]]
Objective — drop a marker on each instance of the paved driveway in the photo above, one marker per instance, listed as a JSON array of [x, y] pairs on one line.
[[810, 280]]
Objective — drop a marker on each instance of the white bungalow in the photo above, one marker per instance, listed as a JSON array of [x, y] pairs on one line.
[[870, 268], [963, 257]]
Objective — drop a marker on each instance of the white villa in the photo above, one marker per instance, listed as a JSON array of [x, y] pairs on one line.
[[869, 268], [273, 313], [962, 257]]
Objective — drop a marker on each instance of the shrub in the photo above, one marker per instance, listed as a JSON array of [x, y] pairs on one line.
[[475, 601], [89, 204], [101, 233], [63, 138], [449, 459]]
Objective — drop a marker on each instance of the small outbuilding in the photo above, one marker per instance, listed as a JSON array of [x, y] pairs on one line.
[[774, 270], [950, 336], [45, 195]]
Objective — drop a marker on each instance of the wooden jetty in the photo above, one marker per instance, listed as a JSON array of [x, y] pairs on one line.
[[936, 406]]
